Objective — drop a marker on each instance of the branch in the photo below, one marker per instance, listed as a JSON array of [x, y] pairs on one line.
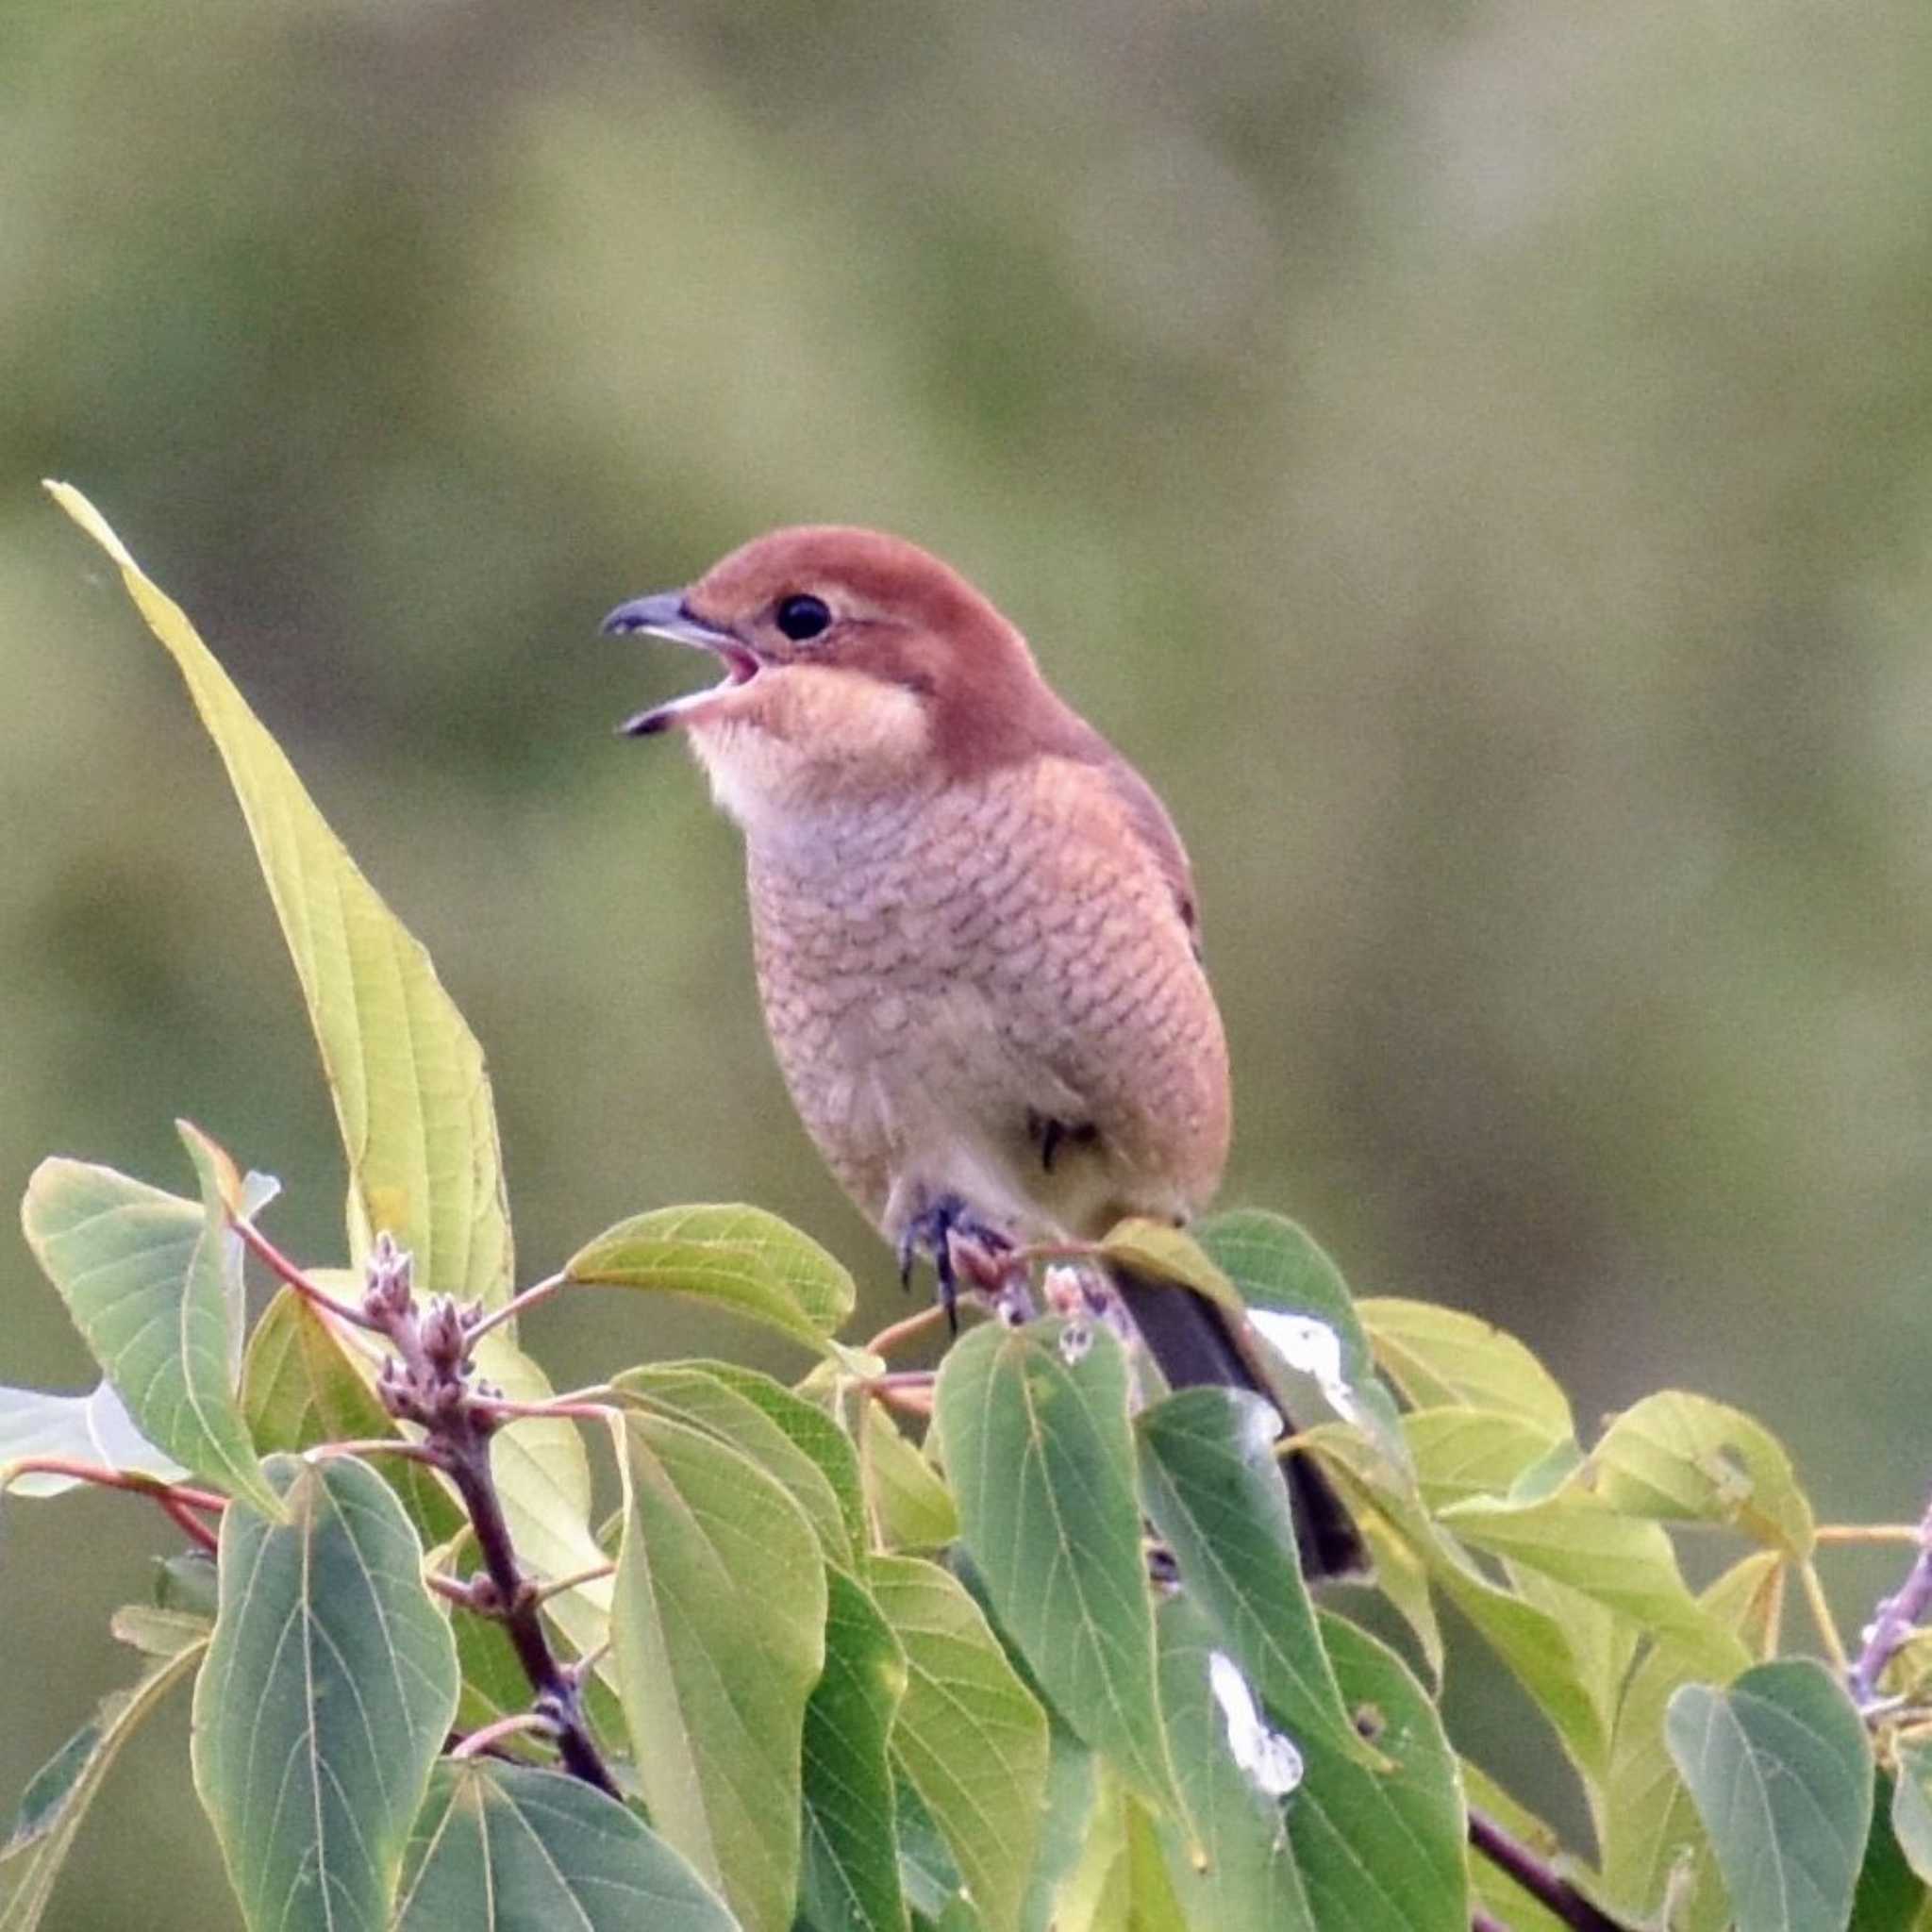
[[1894, 1620], [431, 1382], [1555, 1894]]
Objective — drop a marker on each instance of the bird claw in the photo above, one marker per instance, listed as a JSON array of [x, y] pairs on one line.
[[962, 1246]]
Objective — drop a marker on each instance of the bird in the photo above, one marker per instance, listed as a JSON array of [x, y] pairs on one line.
[[974, 929]]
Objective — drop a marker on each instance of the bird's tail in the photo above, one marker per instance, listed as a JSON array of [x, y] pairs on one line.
[[1191, 1339]]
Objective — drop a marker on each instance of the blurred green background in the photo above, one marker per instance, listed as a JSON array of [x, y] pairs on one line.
[[1476, 458]]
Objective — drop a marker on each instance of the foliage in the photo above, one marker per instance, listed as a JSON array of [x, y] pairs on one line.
[[823, 1672]]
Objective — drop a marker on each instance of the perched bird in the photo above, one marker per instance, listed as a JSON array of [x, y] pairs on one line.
[[974, 927]]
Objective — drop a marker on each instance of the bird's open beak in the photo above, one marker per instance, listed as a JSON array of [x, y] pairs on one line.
[[666, 614]]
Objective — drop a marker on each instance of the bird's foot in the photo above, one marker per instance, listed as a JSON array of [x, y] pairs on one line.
[[966, 1252]]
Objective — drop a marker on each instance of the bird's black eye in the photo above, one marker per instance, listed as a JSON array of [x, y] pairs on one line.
[[801, 618]]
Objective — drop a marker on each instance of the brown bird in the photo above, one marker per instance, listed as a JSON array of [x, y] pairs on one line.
[[974, 927]]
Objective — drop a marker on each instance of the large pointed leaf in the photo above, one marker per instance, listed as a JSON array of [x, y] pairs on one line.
[[971, 1737], [718, 1630], [1041, 1460], [56, 1801], [509, 1848], [1246, 1873], [850, 1877], [1382, 1851], [741, 1257], [405, 1071], [141, 1273], [1780, 1766], [1216, 1496], [327, 1694], [93, 1428]]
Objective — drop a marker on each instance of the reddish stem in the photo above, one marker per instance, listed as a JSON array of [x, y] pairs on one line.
[[279, 1264]]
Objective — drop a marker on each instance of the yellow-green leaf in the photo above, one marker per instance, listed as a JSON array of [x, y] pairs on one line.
[[1441, 1357], [405, 1072], [741, 1257], [1684, 1459], [142, 1273]]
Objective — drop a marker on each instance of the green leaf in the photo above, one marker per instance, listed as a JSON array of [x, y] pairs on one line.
[[57, 1800], [1460, 1453], [1246, 1874], [141, 1273], [509, 1848], [1121, 1883], [913, 1507], [1441, 1357], [814, 1431], [1648, 1826], [300, 1387], [970, 1738], [1381, 1850], [1619, 1562], [741, 1257], [695, 1394], [1275, 1264], [1072, 1779], [1042, 1462], [327, 1694], [718, 1632], [1780, 1769], [1170, 1254], [156, 1632], [1684, 1459], [406, 1073], [1890, 1895], [93, 1428], [1216, 1496], [1911, 1805], [1531, 1642], [850, 1878]]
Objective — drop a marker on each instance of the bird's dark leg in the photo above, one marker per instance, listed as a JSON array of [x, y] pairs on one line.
[[933, 1231]]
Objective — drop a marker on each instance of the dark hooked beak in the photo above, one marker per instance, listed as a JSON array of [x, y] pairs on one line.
[[665, 615]]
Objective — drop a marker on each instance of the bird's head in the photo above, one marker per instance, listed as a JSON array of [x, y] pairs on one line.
[[854, 662]]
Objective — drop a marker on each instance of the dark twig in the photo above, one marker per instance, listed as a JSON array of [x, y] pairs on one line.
[[431, 1381], [1480, 1921], [1557, 1895], [1895, 1619]]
